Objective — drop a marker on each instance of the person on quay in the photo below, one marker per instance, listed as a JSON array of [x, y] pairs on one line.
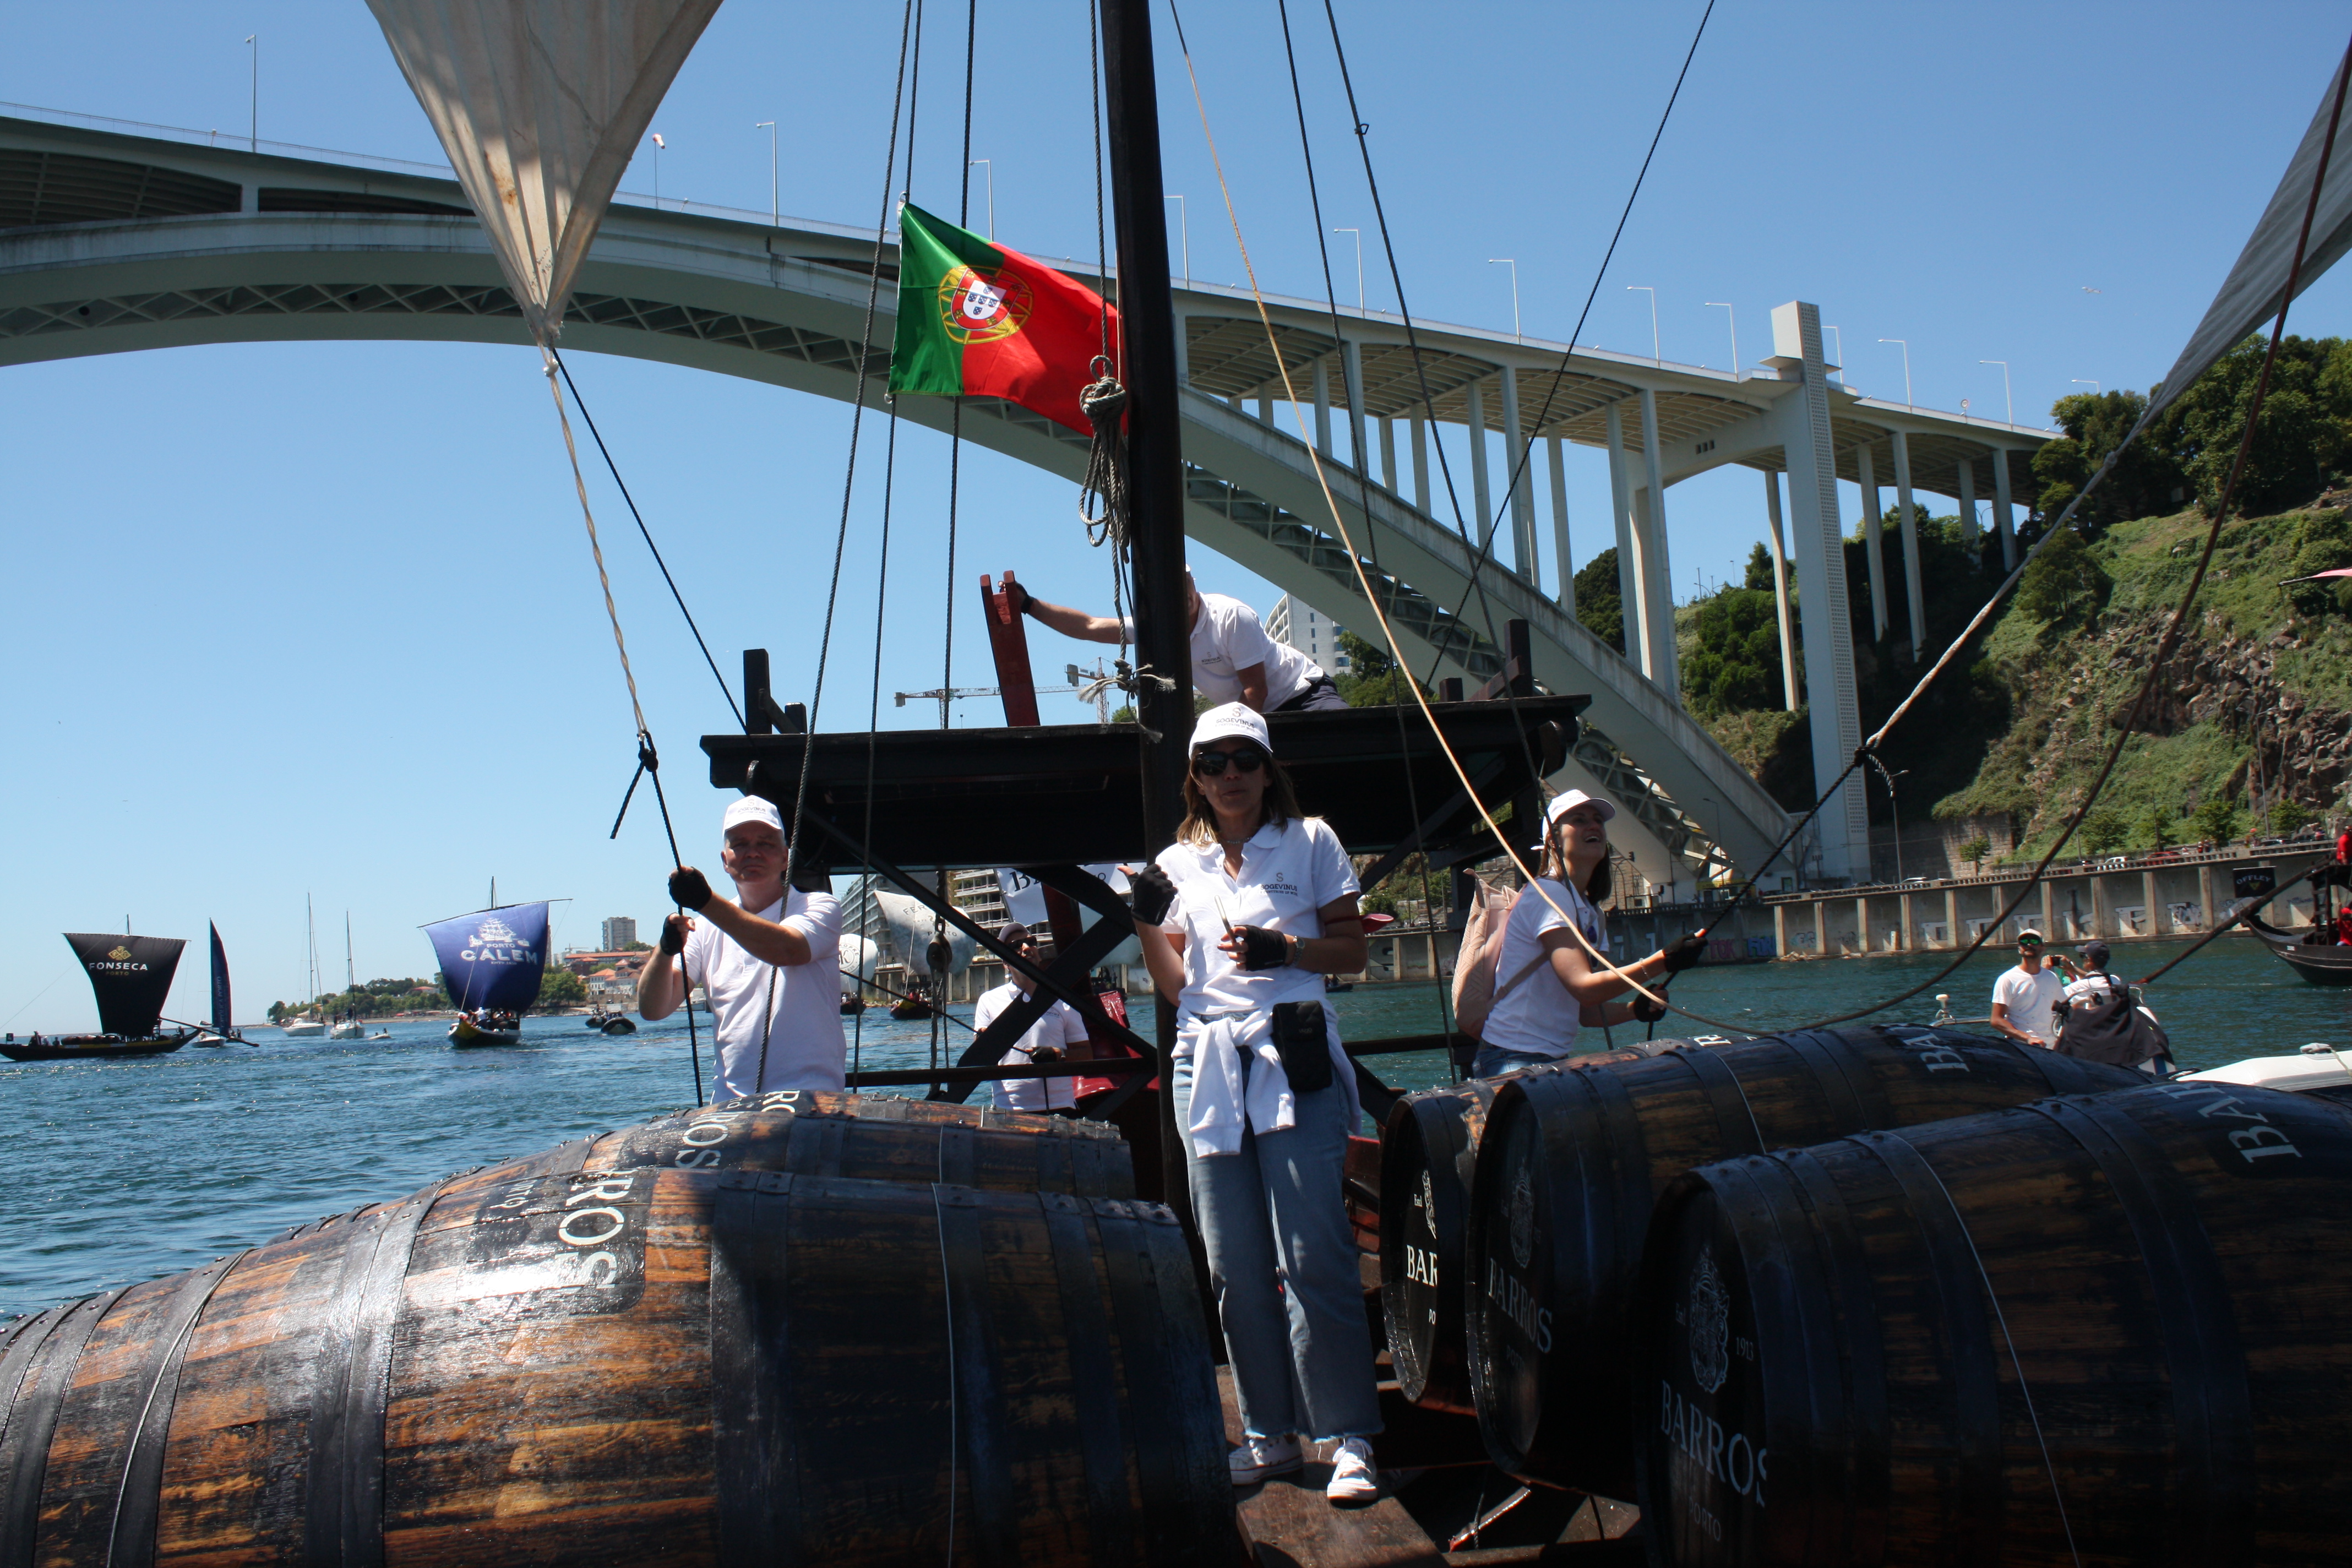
[[1233, 659], [767, 958], [1547, 985], [1048, 1039], [1255, 903], [2088, 985], [2024, 999]]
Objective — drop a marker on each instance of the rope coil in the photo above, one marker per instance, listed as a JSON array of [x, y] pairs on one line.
[[1104, 402]]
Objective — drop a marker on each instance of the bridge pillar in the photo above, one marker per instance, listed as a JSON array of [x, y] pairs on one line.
[[1183, 353], [1560, 528], [1822, 588], [1522, 483], [1780, 592], [1388, 457], [1421, 464], [1968, 505], [1265, 408], [1916, 602], [1656, 559], [1632, 599], [2002, 522], [1351, 377], [1871, 544], [1482, 529], [1323, 406]]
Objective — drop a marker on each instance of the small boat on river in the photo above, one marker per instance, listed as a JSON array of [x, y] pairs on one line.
[[2314, 952], [129, 975], [492, 962]]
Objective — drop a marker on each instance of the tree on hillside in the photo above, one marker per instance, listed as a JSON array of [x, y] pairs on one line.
[[2289, 815], [2217, 817], [1373, 679], [2101, 831], [560, 987], [1760, 569], [2064, 582], [2147, 480], [1737, 665], [2157, 829], [1597, 603], [2301, 435], [1975, 850]]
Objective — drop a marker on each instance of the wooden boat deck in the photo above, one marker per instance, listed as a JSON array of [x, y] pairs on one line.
[[1288, 1523]]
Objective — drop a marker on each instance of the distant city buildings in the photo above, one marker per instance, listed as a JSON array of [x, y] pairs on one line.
[[1308, 630], [620, 930]]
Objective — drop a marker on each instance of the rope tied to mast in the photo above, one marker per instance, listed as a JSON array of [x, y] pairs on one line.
[[1104, 403], [1133, 679]]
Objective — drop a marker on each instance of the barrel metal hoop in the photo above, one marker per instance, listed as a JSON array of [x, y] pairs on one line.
[[979, 1425], [568, 1156], [2213, 1419], [1972, 1523], [1734, 1118], [344, 1518], [138, 1496], [1860, 1352], [24, 1454], [955, 1156], [1856, 1102], [756, 1470], [1093, 1379], [27, 1335]]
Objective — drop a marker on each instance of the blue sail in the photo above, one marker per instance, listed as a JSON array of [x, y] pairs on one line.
[[220, 985], [493, 958]]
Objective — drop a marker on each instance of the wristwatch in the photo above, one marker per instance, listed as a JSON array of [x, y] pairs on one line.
[[1298, 947]]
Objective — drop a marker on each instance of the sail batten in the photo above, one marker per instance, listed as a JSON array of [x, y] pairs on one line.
[[493, 958], [129, 975], [540, 105]]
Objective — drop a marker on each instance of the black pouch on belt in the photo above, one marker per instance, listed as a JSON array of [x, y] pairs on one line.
[[1305, 1048]]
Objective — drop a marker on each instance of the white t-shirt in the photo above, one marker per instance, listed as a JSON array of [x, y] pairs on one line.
[[2030, 998], [1539, 1016], [1288, 874], [1228, 638], [1060, 1026], [805, 1049]]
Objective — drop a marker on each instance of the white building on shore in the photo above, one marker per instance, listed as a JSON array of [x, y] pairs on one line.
[[1310, 630]]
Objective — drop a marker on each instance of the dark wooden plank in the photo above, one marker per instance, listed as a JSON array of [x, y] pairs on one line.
[[1288, 1521]]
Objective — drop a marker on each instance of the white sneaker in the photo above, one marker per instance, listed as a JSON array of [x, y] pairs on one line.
[[1354, 1477], [1260, 1457]]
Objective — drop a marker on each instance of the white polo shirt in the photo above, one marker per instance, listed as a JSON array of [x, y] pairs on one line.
[[2030, 999], [805, 1049], [1227, 639], [1061, 1027], [1288, 874]]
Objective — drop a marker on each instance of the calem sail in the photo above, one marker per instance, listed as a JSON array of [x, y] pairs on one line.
[[492, 962]]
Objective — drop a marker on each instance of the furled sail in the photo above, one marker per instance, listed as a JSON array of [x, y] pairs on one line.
[[540, 105], [2256, 286], [493, 958], [130, 977], [221, 1013]]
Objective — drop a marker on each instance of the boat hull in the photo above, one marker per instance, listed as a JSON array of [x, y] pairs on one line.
[[88, 1047], [620, 1027], [2321, 963], [465, 1032]]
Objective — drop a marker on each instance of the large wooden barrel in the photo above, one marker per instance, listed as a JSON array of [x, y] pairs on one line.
[[622, 1367], [2114, 1330], [1427, 1149], [1573, 1160]]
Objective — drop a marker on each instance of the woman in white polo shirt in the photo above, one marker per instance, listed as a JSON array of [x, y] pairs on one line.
[[1258, 903], [1547, 984]]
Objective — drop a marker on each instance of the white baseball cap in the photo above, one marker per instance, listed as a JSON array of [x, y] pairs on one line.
[[1561, 805], [752, 808], [1234, 720]]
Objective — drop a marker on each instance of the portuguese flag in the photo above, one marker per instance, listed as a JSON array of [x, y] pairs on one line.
[[981, 321]]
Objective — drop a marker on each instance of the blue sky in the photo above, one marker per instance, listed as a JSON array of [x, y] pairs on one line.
[[320, 619]]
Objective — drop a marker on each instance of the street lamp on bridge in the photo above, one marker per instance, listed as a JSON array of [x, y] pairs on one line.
[[1733, 317], [1514, 266], [775, 212], [2008, 405], [1906, 370], [1184, 229], [1655, 357], [991, 168]]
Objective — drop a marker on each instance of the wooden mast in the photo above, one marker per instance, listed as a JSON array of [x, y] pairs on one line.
[[1155, 481]]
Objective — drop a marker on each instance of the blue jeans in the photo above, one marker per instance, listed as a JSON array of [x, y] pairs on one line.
[[1494, 1061], [1282, 1258]]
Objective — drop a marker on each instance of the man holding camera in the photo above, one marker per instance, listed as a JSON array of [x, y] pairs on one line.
[[1048, 1039]]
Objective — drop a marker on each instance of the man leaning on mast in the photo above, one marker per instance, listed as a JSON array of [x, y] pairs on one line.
[[767, 958], [1233, 659]]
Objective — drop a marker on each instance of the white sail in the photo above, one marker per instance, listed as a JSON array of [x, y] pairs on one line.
[[910, 929], [540, 105], [859, 958]]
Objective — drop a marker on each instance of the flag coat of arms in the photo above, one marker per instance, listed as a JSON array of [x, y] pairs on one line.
[[981, 321]]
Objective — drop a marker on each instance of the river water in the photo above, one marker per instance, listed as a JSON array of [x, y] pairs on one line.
[[117, 1170]]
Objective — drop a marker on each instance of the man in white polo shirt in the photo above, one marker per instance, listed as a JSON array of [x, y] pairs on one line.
[[1233, 659], [1048, 1039], [768, 959]]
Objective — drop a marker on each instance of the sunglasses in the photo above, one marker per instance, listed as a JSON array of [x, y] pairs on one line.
[[1210, 765]]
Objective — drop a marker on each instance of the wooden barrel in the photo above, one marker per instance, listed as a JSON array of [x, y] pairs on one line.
[[1427, 1148], [2114, 1330], [684, 1365], [1573, 1161]]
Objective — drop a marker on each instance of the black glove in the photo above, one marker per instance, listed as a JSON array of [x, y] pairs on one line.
[[1019, 596], [1683, 952], [1154, 895], [1262, 948], [673, 936], [689, 888], [1646, 1011]]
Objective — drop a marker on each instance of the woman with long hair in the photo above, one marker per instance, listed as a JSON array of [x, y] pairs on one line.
[[1254, 904], [1547, 983]]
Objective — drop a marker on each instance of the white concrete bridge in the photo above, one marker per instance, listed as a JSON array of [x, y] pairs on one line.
[[111, 242]]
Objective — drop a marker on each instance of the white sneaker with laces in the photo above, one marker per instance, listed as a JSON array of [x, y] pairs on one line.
[[1260, 1457], [1354, 1477]]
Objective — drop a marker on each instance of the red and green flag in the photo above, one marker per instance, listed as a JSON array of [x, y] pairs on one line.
[[981, 321]]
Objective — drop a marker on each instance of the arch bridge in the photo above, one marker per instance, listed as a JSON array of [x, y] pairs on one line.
[[111, 242]]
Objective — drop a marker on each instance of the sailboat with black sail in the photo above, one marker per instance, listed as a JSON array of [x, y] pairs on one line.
[[130, 977], [220, 1031], [492, 962]]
